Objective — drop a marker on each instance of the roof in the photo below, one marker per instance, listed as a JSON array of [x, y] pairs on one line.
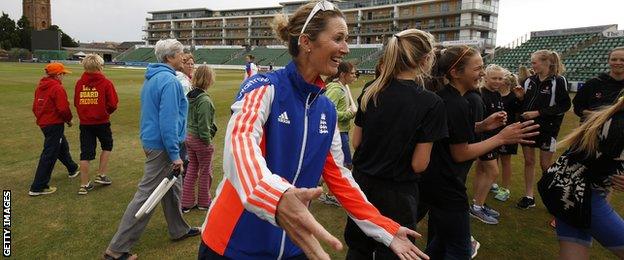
[[179, 10]]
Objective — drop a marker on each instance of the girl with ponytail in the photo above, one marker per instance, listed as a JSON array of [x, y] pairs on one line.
[[443, 185], [546, 101], [599, 144], [395, 126]]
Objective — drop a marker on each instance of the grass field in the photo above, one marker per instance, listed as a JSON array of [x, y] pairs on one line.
[[68, 226]]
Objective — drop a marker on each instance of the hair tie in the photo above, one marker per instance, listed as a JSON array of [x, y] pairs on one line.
[[396, 35], [458, 59]]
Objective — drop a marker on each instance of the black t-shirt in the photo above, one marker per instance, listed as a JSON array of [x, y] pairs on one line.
[[477, 109], [512, 106], [406, 114], [444, 182], [493, 103]]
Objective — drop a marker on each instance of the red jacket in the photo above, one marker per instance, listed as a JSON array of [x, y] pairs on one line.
[[50, 105], [95, 98]]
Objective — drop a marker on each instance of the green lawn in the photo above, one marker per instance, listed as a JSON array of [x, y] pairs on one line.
[[68, 226]]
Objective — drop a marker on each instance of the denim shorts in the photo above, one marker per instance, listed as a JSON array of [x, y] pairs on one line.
[[607, 227]]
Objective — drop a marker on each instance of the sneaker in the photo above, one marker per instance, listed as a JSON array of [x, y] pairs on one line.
[[474, 247], [494, 188], [502, 194], [103, 179], [45, 191], [482, 215], [187, 210], [331, 200], [74, 174], [323, 197], [490, 211], [84, 189], [526, 203], [194, 231], [203, 208]]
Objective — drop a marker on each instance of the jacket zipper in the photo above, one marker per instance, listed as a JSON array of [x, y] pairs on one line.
[[303, 145]]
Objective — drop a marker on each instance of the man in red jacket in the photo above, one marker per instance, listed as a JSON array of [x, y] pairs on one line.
[[52, 111], [95, 99]]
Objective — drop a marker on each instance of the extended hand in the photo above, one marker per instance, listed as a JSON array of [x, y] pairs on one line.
[[518, 132], [530, 115], [300, 226], [495, 120], [404, 248]]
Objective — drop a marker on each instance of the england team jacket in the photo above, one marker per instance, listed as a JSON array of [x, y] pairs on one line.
[[282, 133]]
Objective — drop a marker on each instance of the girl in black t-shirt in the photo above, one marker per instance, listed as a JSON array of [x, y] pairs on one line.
[[443, 184], [512, 95], [487, 166], [395, 126]]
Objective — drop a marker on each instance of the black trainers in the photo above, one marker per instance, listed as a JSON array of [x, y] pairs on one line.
[[84, 189], [103, 179], [74, 174], [187, 210], [526, 203], [194, 231]]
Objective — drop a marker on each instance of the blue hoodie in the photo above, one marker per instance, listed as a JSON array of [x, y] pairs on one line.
[[163, 110]]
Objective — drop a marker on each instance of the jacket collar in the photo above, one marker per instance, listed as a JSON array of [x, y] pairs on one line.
[[300, 84]]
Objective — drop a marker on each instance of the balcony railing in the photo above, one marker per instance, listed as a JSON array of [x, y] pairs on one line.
[[479, 6]]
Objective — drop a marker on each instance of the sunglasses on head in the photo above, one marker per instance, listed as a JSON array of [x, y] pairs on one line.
[[320, 6]]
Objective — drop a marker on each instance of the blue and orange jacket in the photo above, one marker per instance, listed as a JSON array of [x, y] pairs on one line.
[[282, 133]]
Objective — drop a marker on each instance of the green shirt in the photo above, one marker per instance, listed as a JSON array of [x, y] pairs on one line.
[[337, 94], [200, 120]]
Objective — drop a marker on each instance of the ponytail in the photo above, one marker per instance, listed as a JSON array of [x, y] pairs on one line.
[[407, 50], [556, 67]]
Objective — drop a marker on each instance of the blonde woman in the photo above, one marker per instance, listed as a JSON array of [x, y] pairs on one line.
[[487, 166], [391, 153], [546, 101], [599, 145], [261, 206], [201, 129]]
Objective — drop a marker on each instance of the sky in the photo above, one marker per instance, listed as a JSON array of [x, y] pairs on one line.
[[122, 20]]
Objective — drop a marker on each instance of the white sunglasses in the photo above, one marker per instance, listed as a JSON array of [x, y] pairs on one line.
[[320, 6]]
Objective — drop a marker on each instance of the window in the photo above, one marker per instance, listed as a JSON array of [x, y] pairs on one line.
[[434, 8], [444, 7]]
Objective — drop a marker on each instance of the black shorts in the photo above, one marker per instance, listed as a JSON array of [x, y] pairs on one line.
[[492, 155], [508, 149], [545, 141], [88, 135], [547, 138]]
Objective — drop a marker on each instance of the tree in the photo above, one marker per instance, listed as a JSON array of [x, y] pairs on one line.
[[24, 30], [66, 40], [8, 35]]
